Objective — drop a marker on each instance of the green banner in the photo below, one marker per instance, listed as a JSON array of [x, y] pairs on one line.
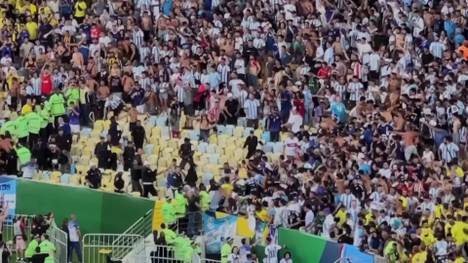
[[96, 211], [304, 247]]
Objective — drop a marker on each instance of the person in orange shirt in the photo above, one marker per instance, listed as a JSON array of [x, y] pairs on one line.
[[463, 49]]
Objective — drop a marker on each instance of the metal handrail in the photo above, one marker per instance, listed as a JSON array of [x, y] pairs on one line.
[[98, 248], [142, 227]]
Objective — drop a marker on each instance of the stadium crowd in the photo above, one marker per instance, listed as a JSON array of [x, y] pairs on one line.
[[368, 97]]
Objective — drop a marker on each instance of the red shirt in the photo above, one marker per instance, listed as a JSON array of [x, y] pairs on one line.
[[299, 104], [46, 84], [95, 32], [324, 72]]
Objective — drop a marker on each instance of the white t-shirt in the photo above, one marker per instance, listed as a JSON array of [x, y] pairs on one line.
[[441, 248], [271, 253], [295, 120], [327, 225], [73, 229], [290, 146], [239, 65], [309, 218]]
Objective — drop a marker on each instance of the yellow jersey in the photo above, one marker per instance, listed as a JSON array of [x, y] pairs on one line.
[[80, 9], [419, 257], [32, 28]]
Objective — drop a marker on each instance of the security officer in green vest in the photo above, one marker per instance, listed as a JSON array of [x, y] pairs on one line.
[[47, 247], [226, 249], [168, 212], [22, 130], [24, 154], [9, 127], [34, 126], [44, 112], [180, 204], [169, 235], [205, 199], [57, 106], [31, 249]]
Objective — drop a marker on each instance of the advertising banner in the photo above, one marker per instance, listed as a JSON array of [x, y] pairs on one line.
[[8, 196], [216, 230]]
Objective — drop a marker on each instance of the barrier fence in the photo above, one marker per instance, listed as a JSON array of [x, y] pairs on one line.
[[99, 248], [57, 236], [142, 227], [8, 231], [166, 254], [60, 240]]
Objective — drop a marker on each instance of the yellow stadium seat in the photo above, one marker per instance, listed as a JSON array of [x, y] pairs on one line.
[[84, 159], [185, 133], [152, 159], [222, 139], [74, 180], [156, 132], [162, 142], [213, 168], [283, 136], [273, 156], [238, 132], [106, 124], [203, 158], [93, 161], [213, 139], [81, 170], [95, 134], [173, 144], [156, 149], [135, 194], [55, 177], [98, 125], [258, 133], [223, 159], [212, 148]]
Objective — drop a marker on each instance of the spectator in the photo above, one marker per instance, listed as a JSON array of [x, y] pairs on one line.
[[251, 143], [148, 178], [373, 94], [74, 235], [94, 177], [119, 183]]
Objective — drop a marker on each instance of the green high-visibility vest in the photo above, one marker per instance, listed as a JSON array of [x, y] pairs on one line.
[[34, 122], [168, 213], [180, 203], [204, 200], [169, 235], [48, 247], [45, 115], [57, 105], [225, 251], [31, 249], [24, 155], [10, 127], [73, 95], [22, 129]]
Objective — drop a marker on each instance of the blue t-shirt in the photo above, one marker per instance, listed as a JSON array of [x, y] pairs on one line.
[[338, 109], [286, 101]]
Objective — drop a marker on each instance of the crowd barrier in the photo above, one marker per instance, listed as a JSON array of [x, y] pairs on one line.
[[304, 247], [57, 236], [96, 211]]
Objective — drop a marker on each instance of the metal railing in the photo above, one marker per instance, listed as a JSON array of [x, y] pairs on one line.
[[142, 227], [57, 236], [99, 248], [60, 240], [8, 231], [167, 254]]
